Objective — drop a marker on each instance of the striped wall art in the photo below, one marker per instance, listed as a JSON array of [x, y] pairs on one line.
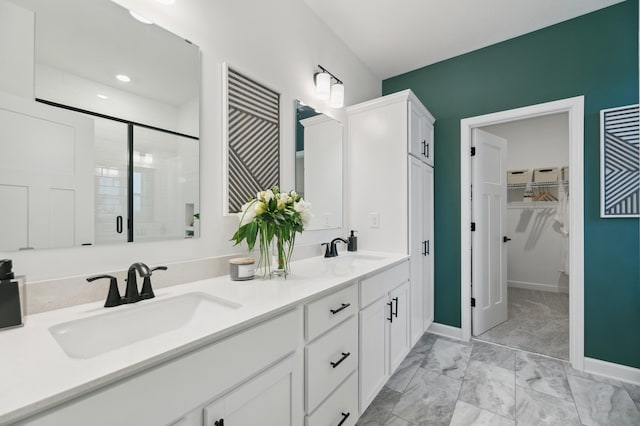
[[619, 162], [253, 137]]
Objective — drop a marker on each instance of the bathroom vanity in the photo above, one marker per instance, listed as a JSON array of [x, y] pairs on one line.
[[270, 352]]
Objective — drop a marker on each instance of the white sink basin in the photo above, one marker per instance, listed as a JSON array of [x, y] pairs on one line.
[[356, 259], [347, 262], [96, 335]]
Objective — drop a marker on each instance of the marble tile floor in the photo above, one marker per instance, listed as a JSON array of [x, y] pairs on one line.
[[448, 382], [538, 321]]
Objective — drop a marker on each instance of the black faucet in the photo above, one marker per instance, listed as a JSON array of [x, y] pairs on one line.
[[332, 250], [113, 298], [131, 295], [147, 291]]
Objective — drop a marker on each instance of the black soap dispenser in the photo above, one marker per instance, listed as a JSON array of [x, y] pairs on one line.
[[10, 304], [352, 244]]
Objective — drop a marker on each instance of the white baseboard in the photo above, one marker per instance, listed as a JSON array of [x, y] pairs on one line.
[[537, 286], [445, 330], [612, 370]]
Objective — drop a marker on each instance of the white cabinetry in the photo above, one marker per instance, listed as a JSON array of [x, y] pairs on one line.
[[420, 133], [265, 400], [331, 358], [247, 375], [391, 160], [384, 328]]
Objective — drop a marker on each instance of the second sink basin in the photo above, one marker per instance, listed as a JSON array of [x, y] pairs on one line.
[[96, 335]]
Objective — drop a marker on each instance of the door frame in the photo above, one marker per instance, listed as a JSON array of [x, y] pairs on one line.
[[575, 109]]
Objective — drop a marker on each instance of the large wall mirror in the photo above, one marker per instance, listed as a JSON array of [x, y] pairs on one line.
[[109, 150], [319, 166]]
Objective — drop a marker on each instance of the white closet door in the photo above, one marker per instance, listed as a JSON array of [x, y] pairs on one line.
[[489, 207]]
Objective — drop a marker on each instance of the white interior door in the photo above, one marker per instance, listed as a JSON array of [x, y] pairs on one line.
[[489, 213], [46, 174]]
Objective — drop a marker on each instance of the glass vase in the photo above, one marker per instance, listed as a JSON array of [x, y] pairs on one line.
[[280, 262]]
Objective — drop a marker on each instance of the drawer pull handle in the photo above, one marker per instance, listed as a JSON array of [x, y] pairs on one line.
[[343, 306], [345, 416], [219, 422], [424, 149], [390, 311], [396, 312], [344, 356]]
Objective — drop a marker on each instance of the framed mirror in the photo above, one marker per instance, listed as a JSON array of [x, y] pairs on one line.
[[319, 166], [115, 124]]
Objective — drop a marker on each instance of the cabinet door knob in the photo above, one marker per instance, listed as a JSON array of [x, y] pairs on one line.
[[337, 363], [506, 239], [343, 306], [345, 416]]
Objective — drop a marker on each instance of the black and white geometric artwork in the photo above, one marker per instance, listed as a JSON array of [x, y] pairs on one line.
[[620, 162], [253, 138]]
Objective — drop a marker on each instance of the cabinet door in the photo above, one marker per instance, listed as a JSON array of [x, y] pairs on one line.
[[265, 400], [427, 261], [427, 136], [399, 326], [417, 245], [373, 350], [416, 129]]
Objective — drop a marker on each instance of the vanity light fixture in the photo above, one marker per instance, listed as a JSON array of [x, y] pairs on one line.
[[325, 90], [337, 95], [123, 78], [140, 18]]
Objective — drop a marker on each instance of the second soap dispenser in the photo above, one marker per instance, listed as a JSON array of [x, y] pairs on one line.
[[352, 244]]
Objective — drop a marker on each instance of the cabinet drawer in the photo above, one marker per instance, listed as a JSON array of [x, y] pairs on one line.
[[330, 359], [373, 288], [341, 405], [327, 312]]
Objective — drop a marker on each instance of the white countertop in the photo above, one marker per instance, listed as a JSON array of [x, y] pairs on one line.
[[36, 374]]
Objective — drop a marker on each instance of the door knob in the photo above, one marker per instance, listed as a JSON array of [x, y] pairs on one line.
[[506, 239]]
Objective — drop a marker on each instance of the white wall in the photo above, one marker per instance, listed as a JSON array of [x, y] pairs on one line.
[[534, 253], [16, 45], [280, 44], [535, 142]]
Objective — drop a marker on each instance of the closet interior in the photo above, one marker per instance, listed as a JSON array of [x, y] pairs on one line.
[[538, 228]]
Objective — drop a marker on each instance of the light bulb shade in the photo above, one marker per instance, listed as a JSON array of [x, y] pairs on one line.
[[323, 85], [337, 95]]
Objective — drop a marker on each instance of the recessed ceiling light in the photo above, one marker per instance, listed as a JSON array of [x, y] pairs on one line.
[[140, 18], [101, 96], [123, 78]]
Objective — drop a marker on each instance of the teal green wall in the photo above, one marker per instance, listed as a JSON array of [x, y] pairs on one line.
[[595, 55]]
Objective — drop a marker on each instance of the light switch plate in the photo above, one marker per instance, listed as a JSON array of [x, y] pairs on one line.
[[374, 220]]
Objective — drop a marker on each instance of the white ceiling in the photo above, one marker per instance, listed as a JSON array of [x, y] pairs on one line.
[[395, 36]]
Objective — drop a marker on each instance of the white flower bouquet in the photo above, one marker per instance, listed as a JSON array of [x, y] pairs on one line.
[[276, 217]]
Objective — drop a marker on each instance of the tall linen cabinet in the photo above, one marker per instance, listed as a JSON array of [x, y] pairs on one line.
[[391, 150]]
